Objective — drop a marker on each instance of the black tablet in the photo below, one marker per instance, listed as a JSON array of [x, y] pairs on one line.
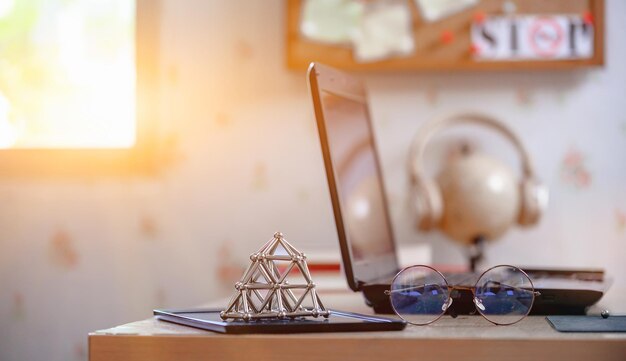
[[338, 321]]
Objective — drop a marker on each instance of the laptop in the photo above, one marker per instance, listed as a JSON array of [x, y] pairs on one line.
[[366, 240]]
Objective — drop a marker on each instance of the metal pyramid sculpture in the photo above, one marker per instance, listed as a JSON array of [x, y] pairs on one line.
[[265, 292]]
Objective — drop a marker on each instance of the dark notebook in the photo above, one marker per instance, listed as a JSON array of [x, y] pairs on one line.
[[588, 323]]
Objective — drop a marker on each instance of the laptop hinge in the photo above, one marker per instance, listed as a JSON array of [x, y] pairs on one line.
[[359, 285]]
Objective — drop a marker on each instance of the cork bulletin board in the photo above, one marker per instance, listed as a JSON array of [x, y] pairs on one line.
[[459, 41]]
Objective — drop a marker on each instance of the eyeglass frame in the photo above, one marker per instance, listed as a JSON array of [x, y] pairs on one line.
[[451, 288]]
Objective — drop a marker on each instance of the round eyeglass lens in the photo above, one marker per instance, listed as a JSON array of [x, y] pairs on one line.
[[504, 295], [419, 294]]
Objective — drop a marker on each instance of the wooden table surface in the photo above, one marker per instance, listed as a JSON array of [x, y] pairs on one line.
[[463, 338]]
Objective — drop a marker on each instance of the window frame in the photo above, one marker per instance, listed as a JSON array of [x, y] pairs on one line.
[[139, 159]]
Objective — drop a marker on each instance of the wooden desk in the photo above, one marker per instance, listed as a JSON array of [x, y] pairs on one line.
[[464, 338]]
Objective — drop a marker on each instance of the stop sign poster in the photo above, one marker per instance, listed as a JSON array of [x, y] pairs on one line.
[[532, 37]]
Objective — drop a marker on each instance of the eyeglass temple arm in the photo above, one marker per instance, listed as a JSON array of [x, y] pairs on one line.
[[388, 292], [536, 293]]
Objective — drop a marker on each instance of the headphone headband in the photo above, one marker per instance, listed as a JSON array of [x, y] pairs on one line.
[[418, 145]]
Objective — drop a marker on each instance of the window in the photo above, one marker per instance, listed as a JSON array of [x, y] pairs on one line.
[[67, 74], [71, 72]]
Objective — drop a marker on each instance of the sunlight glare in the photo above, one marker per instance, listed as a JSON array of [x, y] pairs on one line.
[[68, 74]]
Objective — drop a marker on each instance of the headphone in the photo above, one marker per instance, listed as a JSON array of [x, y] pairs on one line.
[[426, 194]]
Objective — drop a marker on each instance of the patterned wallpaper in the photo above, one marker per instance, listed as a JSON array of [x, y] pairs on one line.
[[79, 255]]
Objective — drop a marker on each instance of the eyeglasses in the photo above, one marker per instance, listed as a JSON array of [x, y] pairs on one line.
[[503, 294]]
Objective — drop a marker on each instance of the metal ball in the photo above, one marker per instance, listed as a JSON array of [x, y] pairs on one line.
[[282, 314], [605, 314], [223, 315], [278, 235], [247, 317]]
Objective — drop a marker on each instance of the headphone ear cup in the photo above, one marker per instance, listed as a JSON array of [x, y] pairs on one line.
[[429, 205], [533, 197]]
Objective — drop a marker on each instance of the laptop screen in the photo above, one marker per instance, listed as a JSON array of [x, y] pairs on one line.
[[359, 187]]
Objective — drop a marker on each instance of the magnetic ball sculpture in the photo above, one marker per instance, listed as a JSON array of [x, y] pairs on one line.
[[264, 291]]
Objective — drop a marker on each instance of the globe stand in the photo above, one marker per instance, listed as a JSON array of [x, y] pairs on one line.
[[476, 252]]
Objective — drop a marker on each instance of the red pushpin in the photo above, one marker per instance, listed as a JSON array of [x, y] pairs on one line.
[[479, 17], [447, 36], [474, 49], [588, 18]]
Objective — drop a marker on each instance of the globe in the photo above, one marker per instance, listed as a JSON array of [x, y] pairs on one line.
[[481, 197]]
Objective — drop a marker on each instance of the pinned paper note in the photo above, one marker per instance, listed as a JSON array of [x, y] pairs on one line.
[[386, 30], [433, 10], [531, 37], [330, 21]]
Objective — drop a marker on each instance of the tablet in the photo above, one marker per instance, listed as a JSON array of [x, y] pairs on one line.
[[338, 321]]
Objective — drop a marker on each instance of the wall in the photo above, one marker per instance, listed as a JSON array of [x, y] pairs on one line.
[[85, 254]]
